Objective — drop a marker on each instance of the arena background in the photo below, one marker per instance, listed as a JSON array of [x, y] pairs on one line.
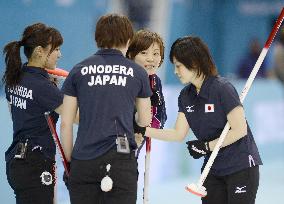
[[226, 26]]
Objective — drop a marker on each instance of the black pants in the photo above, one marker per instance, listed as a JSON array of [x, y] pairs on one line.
[[238, 188], [86, 176], [32, 178]]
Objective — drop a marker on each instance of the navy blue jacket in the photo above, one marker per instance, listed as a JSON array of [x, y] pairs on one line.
[[30, 99], [206, 114]]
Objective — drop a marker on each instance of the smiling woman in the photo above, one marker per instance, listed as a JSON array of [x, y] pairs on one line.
[[147, 50]]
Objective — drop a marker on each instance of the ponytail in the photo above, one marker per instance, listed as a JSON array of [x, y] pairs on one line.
[[13, 62]]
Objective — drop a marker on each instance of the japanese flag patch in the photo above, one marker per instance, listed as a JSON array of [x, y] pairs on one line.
[[209, 108]]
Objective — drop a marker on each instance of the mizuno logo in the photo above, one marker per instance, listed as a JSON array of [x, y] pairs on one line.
[[251, 161], [189, 109], [240, 189]]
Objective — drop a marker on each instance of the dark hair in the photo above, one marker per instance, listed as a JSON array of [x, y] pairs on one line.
[[142, 40], [113, 30], [194, 54], [34, 35]]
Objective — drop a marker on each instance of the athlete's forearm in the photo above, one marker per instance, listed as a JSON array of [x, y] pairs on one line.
[[231, 138], [165, 134], [66, 134], [238, 128]]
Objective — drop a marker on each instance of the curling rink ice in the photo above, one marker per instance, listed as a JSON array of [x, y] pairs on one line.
[[171, 166]]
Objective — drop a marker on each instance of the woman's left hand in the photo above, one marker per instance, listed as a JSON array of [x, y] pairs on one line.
[[197, 148], [139, 139]]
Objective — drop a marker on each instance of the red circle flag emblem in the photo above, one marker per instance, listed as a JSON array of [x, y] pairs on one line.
[[209, 108]]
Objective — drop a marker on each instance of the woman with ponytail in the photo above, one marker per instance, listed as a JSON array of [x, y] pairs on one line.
[[31, 157]]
